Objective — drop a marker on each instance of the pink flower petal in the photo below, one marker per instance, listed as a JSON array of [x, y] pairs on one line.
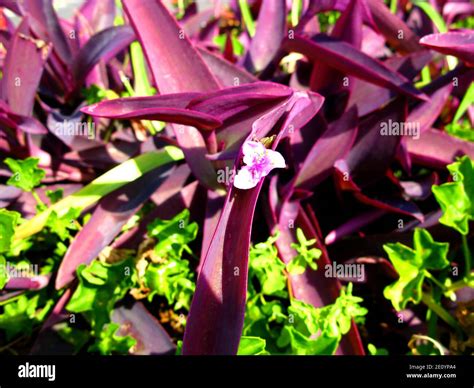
[[252, 150], [245, 180], [276, 159]]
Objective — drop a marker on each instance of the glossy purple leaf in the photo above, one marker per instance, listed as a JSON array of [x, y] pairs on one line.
[[348, 29], [271, 28], [426, 113], [364, 164], [457, 43], [137, 322], [397, 33], [175, 64], [177, 67], [45, 25], [23, 69], [331, 146], [101, 46], [347, 59], [435, 148], [226, 72], [368, 97]]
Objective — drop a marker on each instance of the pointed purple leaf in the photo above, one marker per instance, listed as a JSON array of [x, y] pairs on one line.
[[103, 46], [347, 59], [457, 43], [22, 70], [271, 28], [137, 322]]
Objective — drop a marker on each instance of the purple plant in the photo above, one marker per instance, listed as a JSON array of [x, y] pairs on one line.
[[327, 124]]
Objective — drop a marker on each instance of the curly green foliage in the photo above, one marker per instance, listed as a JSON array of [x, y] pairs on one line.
[[306, 256], [456, 198], [412, 266], [101, 286], [171, 277], [26, 174], [290, 326]]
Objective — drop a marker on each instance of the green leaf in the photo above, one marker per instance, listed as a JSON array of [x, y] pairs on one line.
[[467, 101], [19, 316], [251, 346], [101, 286], [266, 267], [55, 195], [173, 280], [412, 265], [61, 225], [374, 351], [169, 275], [173, 235], [247, 17], [26, 174], [455, 197], [3, 272], [305, 257], [303, 345], [8, 222], [335, 319], [110, 343]]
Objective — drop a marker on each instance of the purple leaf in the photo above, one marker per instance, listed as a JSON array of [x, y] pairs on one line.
[[101, 46], [23, 69], [364, 164], [348, 29], [167, 107], [368, 97], [435, 148], [45, 25], [397, 33], [331, 146], [176, 67], [226, 72], [217, 311], [347, 59], [457, 43], [271, 28], [137, 322]]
